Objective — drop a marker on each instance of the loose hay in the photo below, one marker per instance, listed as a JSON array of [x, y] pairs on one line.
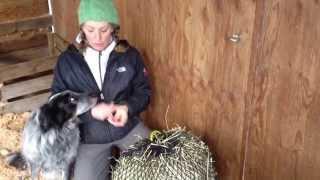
[[11, 126], [171, 155]]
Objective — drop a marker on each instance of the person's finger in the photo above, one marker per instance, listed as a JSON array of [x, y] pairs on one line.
[[96, 113], [116, 124], [122, 118], [117, 116], [110, 117], [111, 106], [117, 120], [114, 118]]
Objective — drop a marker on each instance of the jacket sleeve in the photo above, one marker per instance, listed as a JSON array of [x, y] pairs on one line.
[[58, 83], [141, 92]]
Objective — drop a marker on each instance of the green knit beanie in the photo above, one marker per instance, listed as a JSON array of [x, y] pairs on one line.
[[97, 10]]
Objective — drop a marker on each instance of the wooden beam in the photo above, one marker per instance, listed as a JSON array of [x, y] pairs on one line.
[[1, 101], [26, 104], [19, 9], [43, 21], [51, 47], [22, 40], [23, 55], [60, 43], [11, 72], [26, 87]]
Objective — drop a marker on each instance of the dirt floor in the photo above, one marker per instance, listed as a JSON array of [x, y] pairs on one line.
[[10, 135]]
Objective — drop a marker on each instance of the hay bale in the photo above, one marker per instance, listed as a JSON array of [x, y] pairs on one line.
[[171, 155]]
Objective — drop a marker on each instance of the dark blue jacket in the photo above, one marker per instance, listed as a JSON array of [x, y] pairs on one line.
[[125, 82]]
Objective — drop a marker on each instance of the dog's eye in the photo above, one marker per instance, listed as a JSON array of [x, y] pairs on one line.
[[72, 100]]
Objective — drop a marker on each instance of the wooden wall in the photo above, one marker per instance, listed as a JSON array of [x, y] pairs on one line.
[[284, 95], [255, 101], [195, 70], [65, 18], [17, 18], [26, 62], [20, 9]]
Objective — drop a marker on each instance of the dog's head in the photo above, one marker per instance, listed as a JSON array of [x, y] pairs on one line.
[[63, 107]]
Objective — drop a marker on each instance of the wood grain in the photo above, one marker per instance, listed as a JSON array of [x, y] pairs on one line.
[[283, 100], [26, 87], [255, 102], [26, 104], [20, 9], [51, 48], [65, 18], [14, 71], [43, 21], [195, 69], [59, 43], [23, 40], [23, 55]]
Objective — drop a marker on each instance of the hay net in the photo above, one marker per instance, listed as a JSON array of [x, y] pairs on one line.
[[170, 155]]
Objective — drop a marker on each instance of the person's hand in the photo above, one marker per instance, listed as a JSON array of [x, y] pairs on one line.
[[103, 111], [120, 117]]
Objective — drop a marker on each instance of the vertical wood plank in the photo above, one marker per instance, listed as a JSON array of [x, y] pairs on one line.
[[284, 102], [51, 48], [65, 18]]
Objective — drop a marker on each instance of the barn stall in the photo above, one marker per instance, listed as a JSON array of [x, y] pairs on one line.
[[28, 53], [241, 75]]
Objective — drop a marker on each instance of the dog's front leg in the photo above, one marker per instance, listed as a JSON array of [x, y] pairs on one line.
[[34, 171], [66, 173]]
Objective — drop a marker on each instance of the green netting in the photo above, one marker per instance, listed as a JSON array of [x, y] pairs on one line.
[[171, 155]]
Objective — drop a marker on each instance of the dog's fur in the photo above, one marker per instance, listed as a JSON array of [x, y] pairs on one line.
[[51, 136]]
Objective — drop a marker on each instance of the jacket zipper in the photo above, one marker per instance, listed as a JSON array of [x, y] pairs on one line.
[[90, 73], [107, 73], [101, 91], [101, 78]]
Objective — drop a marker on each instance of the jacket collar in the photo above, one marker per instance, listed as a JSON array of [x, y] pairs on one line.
[[121, 47]]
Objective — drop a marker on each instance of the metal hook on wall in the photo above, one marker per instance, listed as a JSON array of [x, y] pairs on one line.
[[235, 38]]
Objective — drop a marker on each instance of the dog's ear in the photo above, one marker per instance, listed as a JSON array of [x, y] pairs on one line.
[[44, 117]]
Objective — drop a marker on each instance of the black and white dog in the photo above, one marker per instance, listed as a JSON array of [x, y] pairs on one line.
[[51, 136]]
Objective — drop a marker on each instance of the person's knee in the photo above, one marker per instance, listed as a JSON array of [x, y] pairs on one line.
[[82, 172], [91, 168], [142, 131], [90, 172]]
